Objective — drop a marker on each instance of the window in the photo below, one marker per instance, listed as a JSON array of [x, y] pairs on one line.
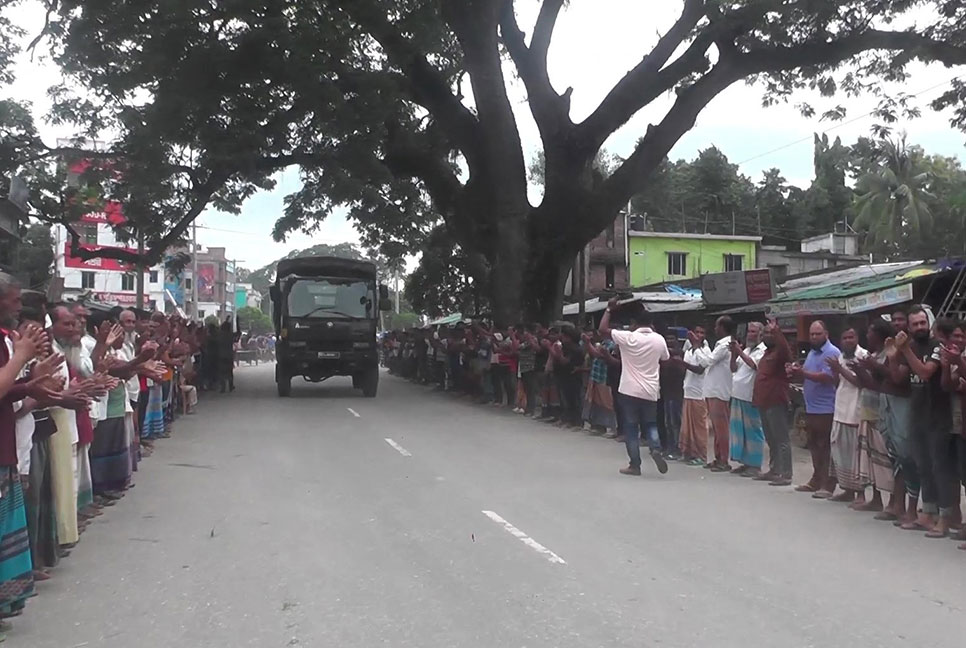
[[201, 314], [153, 276], [87, 280], [325, 298], [677, 264], [127, 282], [609, 276], [88, 233], [187, 283], [734, 262], [611, 233]]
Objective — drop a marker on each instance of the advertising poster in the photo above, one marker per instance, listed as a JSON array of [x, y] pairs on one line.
[[206, 282]]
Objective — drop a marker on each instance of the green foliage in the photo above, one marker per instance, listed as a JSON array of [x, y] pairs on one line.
[[254, 321], [32, 257]]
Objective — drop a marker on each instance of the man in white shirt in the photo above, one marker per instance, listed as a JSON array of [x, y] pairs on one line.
[[641, 351], [694, 415], [747, 434], [717, 390], [846, 419]]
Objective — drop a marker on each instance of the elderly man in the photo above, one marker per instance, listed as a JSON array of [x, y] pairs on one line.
[[819, 388], [746, 433]]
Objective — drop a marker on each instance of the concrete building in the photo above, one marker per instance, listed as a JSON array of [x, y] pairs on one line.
[[105, 280], [247, 296], [216, 284], [817, 253], [658, 257]]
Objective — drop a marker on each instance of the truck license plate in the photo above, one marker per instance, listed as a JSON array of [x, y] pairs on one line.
[[329, 355]]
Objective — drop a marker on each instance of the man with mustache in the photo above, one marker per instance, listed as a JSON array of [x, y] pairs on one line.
[[819, 388]]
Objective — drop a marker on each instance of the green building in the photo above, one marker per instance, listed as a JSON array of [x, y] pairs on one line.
[[657, 257]]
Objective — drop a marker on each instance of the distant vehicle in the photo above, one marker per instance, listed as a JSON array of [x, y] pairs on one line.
[[326, 311]]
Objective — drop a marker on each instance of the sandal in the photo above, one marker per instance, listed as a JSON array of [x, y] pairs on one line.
[[885, 516]]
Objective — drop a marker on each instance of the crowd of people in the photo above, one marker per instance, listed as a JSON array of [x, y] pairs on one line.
[[883, 408], [84, 397]]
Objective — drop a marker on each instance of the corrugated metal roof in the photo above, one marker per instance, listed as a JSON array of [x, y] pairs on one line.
[[852, 273], [596, 305]]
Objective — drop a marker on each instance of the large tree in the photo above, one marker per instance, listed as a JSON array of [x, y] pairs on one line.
[[400, 109]]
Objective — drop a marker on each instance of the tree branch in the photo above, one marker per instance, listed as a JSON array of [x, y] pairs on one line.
[[774, 59], [648, 79], [550, 111], [543, 30], [475, 24], [656, 144], [430, 88]]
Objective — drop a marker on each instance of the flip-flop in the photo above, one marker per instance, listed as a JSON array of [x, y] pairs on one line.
[[932, 533], [885, 517], [805, 488]]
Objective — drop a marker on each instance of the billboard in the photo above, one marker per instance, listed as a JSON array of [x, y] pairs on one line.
[[206, 282], [97, 263], [748, 287]]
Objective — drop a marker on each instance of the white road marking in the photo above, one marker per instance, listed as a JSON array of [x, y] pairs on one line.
[[525, 539], [353, 412], [401, 450]]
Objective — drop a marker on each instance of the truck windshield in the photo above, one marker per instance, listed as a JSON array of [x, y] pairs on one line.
[[330, 297]]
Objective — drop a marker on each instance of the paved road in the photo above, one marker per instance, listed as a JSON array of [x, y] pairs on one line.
[[268, 522]]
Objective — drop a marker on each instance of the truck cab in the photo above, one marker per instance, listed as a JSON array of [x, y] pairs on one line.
[[326, 312]]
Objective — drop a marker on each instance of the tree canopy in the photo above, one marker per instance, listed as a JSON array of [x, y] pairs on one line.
[[399, 111]]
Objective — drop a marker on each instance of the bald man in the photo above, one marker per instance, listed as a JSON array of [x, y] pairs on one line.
[[820, 383]]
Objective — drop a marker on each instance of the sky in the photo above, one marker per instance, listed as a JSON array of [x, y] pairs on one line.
[[595, 43]]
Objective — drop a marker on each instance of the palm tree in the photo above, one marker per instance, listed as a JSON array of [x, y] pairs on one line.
[[892, 202]]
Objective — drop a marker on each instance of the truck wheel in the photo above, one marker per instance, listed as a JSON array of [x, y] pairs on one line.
[[370, 382], [284, 382]]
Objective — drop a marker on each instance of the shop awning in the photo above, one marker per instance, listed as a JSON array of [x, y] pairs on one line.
[[867, 288]]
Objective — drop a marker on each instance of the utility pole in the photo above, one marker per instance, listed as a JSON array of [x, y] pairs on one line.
[[194, 271], [139, 299]]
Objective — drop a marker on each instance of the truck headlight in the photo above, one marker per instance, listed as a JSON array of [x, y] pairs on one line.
[[295, 345], [361, 345]]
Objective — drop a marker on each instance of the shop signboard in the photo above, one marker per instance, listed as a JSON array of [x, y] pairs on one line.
[[880, 298], [734, 288], [97, 263], [844, 305]]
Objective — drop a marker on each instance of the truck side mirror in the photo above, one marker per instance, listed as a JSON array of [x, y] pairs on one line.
[[273, 292], [383, 291]]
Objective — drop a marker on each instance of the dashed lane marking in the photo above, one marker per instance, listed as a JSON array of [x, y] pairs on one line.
[[398, 448], [525, 539]]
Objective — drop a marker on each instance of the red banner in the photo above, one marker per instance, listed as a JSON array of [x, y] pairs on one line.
[[112, 214], [96, 263]]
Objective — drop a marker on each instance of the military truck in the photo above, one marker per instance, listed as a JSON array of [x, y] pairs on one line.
[[326, 311]]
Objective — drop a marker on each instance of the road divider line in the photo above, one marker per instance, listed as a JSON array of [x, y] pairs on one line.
[[398, 448], [353, 412], [525, 539]]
